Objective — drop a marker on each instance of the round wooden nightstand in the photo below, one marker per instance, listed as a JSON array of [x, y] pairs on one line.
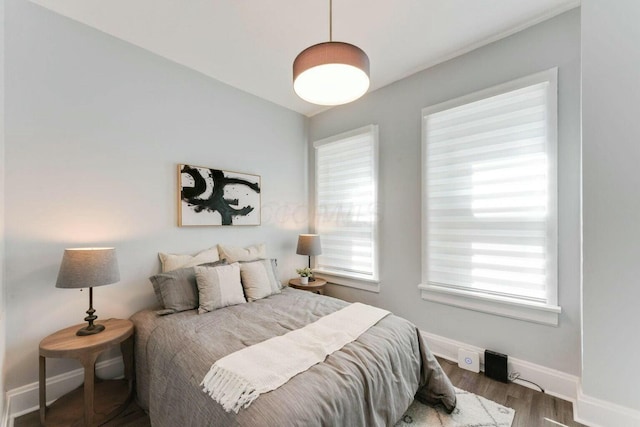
[[317, 286], [77, 407]]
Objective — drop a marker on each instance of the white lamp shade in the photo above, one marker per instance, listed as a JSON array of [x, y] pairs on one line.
[[309, 244], [88, 267], [331, 73]]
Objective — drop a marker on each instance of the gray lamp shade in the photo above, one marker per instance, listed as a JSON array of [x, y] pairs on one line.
[[309, 244], [88, 267]]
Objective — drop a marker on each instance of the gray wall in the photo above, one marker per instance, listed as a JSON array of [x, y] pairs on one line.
[[397, 111], [95, 129], [611, 155], [2, 204]]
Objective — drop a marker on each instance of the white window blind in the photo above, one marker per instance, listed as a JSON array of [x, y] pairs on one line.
[[490, 192], [346, 204]]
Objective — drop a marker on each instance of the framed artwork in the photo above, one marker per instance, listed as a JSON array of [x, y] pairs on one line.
[[217, 197]]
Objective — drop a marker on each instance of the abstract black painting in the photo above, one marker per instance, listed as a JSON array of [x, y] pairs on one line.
[[217, 197]]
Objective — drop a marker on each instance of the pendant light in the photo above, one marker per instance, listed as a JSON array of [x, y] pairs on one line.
[[331, 73]]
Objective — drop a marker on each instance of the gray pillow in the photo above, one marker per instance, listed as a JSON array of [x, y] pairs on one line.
[[176, 290], [274, 266], [219, 287], [259, 279]]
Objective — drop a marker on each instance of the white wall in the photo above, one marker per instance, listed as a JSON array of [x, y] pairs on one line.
[[95, 129], [611, 209], [397, 111], [2, 205]]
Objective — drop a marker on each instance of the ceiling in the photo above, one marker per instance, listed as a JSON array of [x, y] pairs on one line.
[[251, 44]]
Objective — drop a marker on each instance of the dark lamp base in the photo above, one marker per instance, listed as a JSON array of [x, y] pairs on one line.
[[90, 330]]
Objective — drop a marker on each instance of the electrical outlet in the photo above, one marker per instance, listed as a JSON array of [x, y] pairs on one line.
[[469, 360]]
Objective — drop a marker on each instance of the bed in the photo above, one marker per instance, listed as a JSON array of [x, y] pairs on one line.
[[369, 382]]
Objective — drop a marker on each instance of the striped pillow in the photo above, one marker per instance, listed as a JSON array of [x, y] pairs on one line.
[[219, 287]]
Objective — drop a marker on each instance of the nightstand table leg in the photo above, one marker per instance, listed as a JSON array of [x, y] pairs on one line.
[[89, 364], [42, 379], [128, 359]]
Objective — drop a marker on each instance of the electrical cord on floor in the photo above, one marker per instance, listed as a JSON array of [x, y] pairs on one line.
[[511, 377], [516, 376]]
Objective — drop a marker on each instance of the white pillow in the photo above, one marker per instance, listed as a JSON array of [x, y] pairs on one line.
[[236, 253], [175, 261], [258, 279], [219, 287]]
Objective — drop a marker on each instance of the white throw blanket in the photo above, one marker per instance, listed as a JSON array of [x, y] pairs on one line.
[[237, 379]]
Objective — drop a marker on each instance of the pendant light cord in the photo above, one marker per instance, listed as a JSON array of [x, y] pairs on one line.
[[330, 20]]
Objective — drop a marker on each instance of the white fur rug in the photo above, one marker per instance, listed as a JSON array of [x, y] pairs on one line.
[[471, 411]]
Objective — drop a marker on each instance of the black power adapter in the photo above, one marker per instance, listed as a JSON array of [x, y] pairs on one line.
[[495, 366]]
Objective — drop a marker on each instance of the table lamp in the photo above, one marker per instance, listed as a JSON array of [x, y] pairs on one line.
[[309, 244], [86, 268]]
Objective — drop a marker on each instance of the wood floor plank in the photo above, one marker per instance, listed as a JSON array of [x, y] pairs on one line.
[[532, 407]]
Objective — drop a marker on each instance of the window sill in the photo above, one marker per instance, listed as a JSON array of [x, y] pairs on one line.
[[349, 281], [501, 306]]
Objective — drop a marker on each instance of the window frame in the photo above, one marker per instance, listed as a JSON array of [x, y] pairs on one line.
[[354, 280], [543, 313]]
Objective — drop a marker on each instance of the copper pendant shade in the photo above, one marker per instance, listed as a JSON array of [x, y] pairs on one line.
[[331, 73]]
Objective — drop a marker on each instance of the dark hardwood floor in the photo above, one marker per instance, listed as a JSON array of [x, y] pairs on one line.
[[533, 408], [132, 416]]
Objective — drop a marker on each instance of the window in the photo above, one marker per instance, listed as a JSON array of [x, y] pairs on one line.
[[346, 197], [489, 200]]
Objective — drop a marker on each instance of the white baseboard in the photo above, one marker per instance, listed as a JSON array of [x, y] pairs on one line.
[[4, 417], [586, 409], [600, 413], [26, 399], [555, 383]]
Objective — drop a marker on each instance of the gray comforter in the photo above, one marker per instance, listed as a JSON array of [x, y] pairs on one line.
[[369, 382]]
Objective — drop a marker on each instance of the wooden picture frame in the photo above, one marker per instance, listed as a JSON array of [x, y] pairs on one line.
[[208, 196]]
